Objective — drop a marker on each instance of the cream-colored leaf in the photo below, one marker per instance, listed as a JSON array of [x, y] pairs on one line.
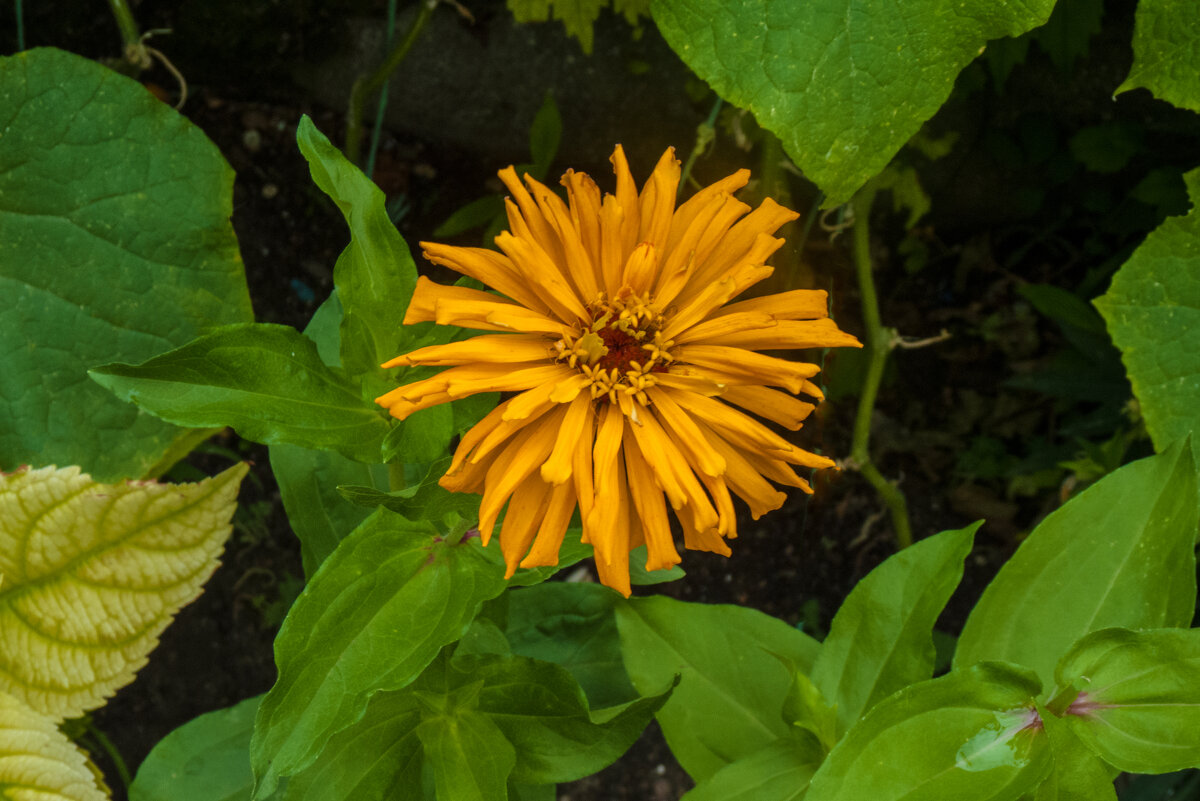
[[92, 575], [37, 763]]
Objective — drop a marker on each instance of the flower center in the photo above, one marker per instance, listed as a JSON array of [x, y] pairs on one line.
[[620, 348]]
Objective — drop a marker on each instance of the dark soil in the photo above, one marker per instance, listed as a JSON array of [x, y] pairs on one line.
[[938, 403]]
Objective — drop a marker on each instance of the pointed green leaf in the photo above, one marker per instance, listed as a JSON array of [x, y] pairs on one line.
[[265, 381], [205, 759], [115, 244], [1078, 774], [378, 757], [1139, 705], [1166, 52], [37, 761], [92, 574], [468, 755], [780, 771], [1153, 314], [734, 664], [572, 625], [882, 637], [1118, 554], [972, 733], [375, 274], [374, 615], [843, 83]]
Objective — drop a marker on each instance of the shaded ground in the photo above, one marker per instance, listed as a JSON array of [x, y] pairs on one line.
[[965, 442]]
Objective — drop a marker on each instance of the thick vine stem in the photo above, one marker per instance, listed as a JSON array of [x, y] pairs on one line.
[[366, 85], [879, 341]]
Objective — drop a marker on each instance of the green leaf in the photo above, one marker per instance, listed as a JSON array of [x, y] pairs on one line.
[[577, 16], [475, 214], [1153, 314], [1118, 554], [117, 245], [376, 613], [1078, 774], [972, 733], [1139, 701], [422, 437], [544, 136], [266, 381], [308, 486], [468, 755], [1166, 58], [736, 665], [573, 626], [37, 761], [205, 759], [1107, 147], [542, 711], [380, 756], [375, 274], [843, 83], [1068, 33], [881, 639], [780, 771]]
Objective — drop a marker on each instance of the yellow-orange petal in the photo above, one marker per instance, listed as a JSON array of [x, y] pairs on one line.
[[469, 380], [488, 266], [796, 304], [583, 197], [546, 280], [537, 225], [578, 265], [612, 247], [673, 472], [684, 432], [776, 406], [787, 335], [549, 538], [746, 482], [651, 510], [523, 455], [735, 243], [577, 422], [498, 348], [521, 521], [641, 268], [611, 540], [627, 199], [681, 267], [731, 423], [746, 366], [724, 325], [656, 204], [741, 276], [687, 212], [422, 306]]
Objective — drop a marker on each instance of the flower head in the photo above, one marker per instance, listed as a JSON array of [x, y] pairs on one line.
[[627, 365]]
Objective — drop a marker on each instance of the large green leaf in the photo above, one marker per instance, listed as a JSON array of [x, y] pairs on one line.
[[375, 274], [115, 244], [468, 756], [205, 759], [843, 83], [1153, 313], [266, 381], [375, 614], [1139, 705], [972, 733], [1118, 554], [882, 637], [1078, 774], [1166, 52], [734, 669], [780, 771]]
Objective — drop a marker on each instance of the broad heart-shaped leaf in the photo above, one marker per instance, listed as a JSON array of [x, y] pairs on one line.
[[205, 759], [1139, 705], [266, 381], [843, 83], [374, 615], [1166, 52], [972, 733], [734, 669], [1078, 774], [572, 625], [780, 771], [37, 761], [375, 274], [882, 637], [1118, 554], [92, 575], [1153, 314], [117, 246]]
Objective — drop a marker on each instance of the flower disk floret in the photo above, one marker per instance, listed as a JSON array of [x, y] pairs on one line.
[[630, 369]]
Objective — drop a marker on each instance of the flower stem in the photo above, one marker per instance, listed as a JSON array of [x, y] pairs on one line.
[[879, 343], [113, 754], [365, 85]]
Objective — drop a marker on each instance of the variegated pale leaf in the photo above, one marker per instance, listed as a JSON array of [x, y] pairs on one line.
[[92, 575], [37, 763]]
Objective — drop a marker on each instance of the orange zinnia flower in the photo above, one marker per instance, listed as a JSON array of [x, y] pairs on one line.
[[626, 364]]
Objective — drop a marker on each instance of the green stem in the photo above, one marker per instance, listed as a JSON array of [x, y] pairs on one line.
[[20, 27], [879, 342], [704, 136], [369, 84], [113, 754], [381, 106]]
